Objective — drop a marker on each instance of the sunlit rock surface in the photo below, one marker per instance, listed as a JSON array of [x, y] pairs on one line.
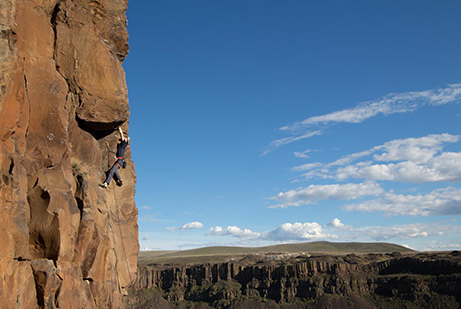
[[65, 242]]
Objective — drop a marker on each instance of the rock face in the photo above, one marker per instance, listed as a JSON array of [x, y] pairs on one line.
[[65, 242], [352, 281]]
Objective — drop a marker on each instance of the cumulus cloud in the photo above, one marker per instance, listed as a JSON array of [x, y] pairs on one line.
[[313, 193], [390, 104], [309, 231], [337, 224], [297, 231], [445, 201], [188, 226], [285, 232], [417, 150], [232, 231]]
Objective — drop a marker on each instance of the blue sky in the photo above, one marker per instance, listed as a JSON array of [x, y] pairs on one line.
[[264, 122]]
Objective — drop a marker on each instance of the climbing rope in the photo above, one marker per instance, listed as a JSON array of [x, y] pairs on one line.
[[121, 237]]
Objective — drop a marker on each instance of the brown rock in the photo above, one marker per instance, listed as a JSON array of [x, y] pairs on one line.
[[65, 241], [17, 284], [88, 54]]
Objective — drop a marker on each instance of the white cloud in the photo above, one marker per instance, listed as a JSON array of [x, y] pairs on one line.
[[147, 249], [313, 193], [352, 157], [232, 231], [285, 232], [187, 226], [288, 140], [308, 231], [302, 154], [415, 230], [390, 104], [407, 160], [441, 246], [192, 226], [336, 223], [417, 150], [306, 167], [411, 149], [439, 202], [444, 167], [297, 231]]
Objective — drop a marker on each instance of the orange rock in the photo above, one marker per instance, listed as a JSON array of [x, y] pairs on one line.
[[65, 241]]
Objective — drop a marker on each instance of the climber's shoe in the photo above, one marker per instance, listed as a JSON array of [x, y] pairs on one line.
[[103, 185], [119, 182]]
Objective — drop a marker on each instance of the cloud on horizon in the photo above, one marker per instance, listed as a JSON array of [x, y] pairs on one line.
[[336, 223], [335, 229], [297, 232], [285, 232], [406, 231], [441, 246], [232, 231], [188, 226]]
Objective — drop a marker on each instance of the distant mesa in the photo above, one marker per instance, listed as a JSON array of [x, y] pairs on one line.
[[308, 275]]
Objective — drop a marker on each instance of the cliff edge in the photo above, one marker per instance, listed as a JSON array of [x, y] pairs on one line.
[[65, 242], [281, 280]]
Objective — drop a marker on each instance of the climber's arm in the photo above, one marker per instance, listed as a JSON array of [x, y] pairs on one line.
[[122, 137]]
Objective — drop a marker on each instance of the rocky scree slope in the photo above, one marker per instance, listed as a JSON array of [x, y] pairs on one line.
[[65, 242]]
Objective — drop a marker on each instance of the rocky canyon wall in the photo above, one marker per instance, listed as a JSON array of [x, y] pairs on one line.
[[423, 280], [64, 241]]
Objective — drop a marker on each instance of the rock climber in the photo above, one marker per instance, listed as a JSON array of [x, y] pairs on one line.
[[120, 163]]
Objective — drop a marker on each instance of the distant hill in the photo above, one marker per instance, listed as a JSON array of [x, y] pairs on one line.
[[223, 254]]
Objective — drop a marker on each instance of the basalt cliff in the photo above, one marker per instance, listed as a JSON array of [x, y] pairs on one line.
[[380, 280], [65, 242]]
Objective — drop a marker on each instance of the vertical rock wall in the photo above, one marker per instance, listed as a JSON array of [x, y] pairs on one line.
[[64, 241]]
